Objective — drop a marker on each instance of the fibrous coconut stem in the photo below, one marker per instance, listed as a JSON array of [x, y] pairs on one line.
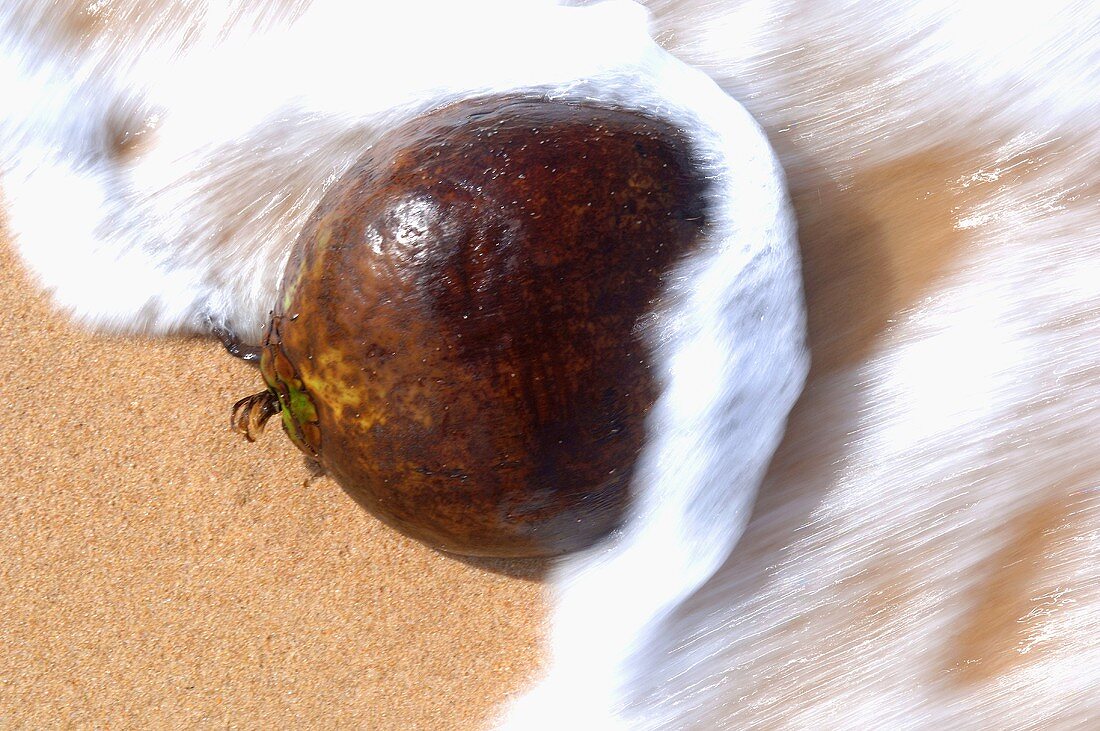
[[252, 412], [235, 346]]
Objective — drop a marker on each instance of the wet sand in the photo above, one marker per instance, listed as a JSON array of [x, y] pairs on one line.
[[158, 571]]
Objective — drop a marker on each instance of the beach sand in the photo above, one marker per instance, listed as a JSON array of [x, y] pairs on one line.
[[157, 571]]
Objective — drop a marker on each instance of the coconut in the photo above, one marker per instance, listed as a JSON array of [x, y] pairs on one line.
[[457, 339]]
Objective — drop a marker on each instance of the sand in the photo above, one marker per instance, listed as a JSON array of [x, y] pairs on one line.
[[158, 571]]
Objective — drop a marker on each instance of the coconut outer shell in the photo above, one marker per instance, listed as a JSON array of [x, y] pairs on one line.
[[457, 338]]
